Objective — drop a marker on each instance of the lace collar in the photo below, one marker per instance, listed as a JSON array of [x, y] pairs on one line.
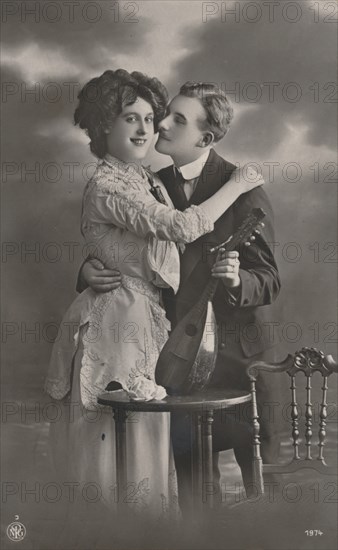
[[126, 171]]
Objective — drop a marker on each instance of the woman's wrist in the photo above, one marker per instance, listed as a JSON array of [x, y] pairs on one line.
[[235, 186]]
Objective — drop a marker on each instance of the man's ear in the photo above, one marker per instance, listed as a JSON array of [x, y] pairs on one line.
[[207, 139]]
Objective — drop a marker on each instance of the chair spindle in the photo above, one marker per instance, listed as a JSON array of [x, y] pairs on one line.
[[322, 420], [294, 418]]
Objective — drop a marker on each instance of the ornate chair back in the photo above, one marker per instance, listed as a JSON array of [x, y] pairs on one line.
[[306, 361]]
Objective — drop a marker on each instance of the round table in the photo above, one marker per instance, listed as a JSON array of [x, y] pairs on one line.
[[201, 407]]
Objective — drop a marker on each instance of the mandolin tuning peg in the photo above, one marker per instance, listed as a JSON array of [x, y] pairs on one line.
[[262, 224], [247, 243], [252, 238], [257, 232]]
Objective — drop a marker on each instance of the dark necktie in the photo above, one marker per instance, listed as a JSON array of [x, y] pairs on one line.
[[182, 201]]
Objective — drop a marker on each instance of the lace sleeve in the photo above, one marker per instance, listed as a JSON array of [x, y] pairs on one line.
[[131, 206]]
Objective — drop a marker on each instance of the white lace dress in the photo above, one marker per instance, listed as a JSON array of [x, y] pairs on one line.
[[118, 336]]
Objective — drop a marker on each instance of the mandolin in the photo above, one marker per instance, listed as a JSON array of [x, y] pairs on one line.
[[188, 358]]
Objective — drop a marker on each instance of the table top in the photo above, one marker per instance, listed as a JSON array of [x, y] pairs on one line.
[[202, 401]]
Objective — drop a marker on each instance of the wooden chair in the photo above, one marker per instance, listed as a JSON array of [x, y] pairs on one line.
[[306, 361]]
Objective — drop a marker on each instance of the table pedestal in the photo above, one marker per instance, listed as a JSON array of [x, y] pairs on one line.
[[201, 408]]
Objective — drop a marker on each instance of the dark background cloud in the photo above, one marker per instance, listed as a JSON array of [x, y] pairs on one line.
[[235, 53], [88, 34]]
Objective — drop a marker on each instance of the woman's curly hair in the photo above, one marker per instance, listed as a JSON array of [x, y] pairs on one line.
[[102, 99]]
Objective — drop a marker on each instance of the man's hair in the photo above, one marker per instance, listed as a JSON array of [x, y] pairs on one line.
[[102, 99], [216, 105]]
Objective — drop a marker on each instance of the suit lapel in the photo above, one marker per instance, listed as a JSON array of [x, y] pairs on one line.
[[211, 179]]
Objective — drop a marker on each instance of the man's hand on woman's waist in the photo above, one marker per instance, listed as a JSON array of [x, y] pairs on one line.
[[99, 278]]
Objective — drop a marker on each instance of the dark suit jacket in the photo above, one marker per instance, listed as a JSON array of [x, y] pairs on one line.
[[246, 319], [244, 330]]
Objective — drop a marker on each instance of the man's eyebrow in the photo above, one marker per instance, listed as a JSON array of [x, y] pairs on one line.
[[180, 115]]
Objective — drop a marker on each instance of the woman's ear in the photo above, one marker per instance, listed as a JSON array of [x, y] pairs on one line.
[[207, 139]]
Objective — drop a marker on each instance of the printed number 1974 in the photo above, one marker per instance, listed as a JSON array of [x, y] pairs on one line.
[[313, 532]]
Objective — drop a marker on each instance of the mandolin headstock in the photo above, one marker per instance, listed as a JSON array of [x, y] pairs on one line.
[[246, 232]]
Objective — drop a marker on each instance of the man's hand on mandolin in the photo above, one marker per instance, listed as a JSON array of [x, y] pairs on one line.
[[226, 268]]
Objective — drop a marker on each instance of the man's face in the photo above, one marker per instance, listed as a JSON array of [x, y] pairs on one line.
[[180, 133]]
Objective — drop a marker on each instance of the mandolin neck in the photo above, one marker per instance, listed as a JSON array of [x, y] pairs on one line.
[[240, 235], [206, 296]]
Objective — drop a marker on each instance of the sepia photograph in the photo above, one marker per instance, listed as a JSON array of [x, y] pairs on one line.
[[169, 262]]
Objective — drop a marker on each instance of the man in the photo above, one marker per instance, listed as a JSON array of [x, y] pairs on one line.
[[198, 117]]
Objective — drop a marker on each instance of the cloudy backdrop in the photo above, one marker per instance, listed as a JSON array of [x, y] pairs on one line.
[[276, 60]]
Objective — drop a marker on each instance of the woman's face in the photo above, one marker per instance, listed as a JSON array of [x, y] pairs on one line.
[[131, 133]]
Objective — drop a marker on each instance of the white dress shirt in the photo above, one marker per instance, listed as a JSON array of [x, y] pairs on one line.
[[191, 173]]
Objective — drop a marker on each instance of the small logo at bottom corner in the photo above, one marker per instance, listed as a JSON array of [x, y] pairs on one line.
[[16, 531]]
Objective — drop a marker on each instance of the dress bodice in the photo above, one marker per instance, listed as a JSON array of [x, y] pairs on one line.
[[129, 229]]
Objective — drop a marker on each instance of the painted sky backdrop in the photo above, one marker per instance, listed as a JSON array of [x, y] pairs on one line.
[[276, 60]]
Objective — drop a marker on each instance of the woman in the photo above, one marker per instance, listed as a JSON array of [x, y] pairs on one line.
[[120, 333]]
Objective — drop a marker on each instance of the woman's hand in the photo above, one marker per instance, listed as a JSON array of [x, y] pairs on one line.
[[247, 178], [144, 389], [99, 278]]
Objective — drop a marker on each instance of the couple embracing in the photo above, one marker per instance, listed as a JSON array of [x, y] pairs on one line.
[[147, 230]]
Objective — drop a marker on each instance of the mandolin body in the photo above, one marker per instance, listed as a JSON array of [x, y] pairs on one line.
[[188, 358]]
